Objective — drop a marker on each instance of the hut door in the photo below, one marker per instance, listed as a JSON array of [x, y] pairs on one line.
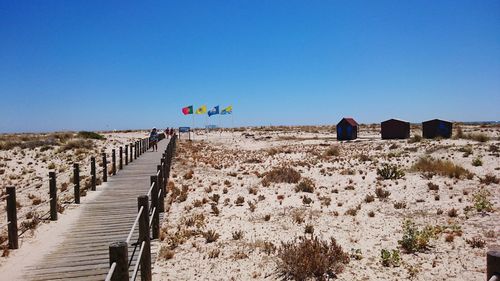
[[349, 131], [339, 132]]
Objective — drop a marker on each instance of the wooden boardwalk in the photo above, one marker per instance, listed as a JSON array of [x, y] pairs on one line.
[[83, 254]]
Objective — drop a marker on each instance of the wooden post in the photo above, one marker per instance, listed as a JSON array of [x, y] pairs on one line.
[[161, 205], [53, 196], [76, 182], [121, 157], [118, 253], [93, 176], [143, 201], [126, 154], [131, 154], [104, 167], [154, 204], [12, 218], [140, 146], [136, 150], [492, 264], [113, 161]]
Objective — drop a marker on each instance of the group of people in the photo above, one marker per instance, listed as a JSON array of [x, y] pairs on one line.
[[154, 137]]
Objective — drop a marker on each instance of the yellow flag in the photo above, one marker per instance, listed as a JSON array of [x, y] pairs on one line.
[[201, 110]]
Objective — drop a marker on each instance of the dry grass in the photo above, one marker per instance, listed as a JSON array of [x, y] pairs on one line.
[[305, 185], [165, 253], [281, 175], [441, 167], [76, 144], [332, 151], [307, 258]]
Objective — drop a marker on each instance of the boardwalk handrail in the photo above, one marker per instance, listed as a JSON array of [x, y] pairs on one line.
[[56, 205], [139, 257], [111, 271], [134, 225], [147, 216]]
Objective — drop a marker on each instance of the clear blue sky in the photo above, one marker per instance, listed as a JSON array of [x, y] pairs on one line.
[[73, 65]]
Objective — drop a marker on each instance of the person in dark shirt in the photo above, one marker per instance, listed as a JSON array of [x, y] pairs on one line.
[[153, 139]]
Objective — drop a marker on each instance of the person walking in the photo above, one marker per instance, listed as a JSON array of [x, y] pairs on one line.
[[153, 139]]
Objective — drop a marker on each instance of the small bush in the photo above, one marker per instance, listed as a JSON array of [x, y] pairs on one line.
[[239, 201], [390, 258], [211, 236], [381, 193], [400, 205], [238, 235], [433, 186], [390, 172], [165, 253], [305, 185], [281, 175], [415, 240], [215, 209], [188, 175], [369, 198], [489, 179], [452, 213], [90, 135], [477, 162], [306, 200], [77, 144], [480, 137], [309, 229], [482, 202], [441, 167], [311, 258], [476, 242], [213, 254], [332, 151]]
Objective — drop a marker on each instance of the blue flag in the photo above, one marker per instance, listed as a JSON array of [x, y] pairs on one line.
[[213, 111]]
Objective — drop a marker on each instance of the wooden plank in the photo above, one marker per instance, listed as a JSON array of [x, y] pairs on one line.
[[83, 253]]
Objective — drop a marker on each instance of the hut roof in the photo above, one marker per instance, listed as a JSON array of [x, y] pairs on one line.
[[351, 121], [433, 120], [396, 119]]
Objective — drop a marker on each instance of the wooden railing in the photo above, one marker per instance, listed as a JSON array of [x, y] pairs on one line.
[[136, 149], [148, 220]]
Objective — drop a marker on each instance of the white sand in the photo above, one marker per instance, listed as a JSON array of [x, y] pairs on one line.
[[217, 158]]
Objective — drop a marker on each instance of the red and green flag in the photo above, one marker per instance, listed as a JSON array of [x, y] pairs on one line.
[[187, 110]]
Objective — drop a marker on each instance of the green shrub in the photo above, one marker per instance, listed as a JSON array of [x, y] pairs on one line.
[[390, 258], [90, 135], [415, 240], [391, 172], [477, 162], [77, 144], [481, 201]]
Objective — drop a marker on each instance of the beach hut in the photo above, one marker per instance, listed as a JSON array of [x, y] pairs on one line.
[[436, 128], [395, 129], [347, 129]]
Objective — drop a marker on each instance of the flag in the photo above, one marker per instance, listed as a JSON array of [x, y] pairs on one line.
[[227, 110], [213, 111], [187, 110], [201, 110]]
